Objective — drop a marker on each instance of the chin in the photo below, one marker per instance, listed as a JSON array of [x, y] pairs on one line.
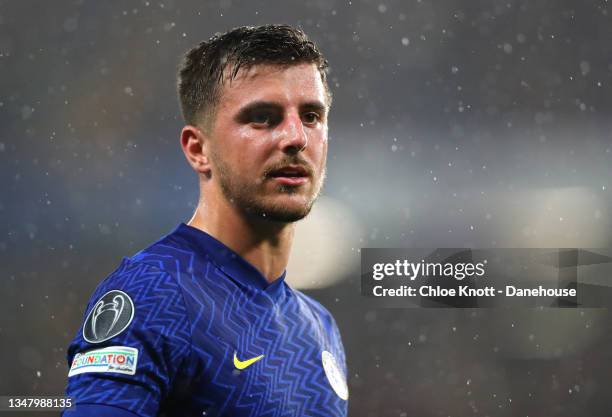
[[286, 212], [284, 216]]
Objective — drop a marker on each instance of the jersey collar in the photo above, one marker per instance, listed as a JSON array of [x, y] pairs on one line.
[[228, 261]]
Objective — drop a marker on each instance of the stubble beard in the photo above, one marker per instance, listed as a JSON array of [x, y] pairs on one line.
[[249, 197]]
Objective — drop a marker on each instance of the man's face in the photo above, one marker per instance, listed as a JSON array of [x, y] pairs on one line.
[[269, 141]]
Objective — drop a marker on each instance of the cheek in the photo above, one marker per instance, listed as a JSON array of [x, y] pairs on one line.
[[319, 146], [249, 147]]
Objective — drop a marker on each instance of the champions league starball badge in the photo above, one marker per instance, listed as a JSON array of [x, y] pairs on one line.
[[111, 315]]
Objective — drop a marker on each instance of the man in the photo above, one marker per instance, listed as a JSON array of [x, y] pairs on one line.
[[202, 322]]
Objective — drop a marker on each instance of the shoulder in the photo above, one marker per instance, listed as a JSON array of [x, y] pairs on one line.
[[316, 308], [171, 254], [136, 300], [156, 281], [153, 275], [142, 282]]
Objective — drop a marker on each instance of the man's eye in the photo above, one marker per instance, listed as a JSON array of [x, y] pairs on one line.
[[263, 118], [311, 117], [260, 118]]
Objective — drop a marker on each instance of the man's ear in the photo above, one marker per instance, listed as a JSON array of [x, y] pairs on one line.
[[196, 147]]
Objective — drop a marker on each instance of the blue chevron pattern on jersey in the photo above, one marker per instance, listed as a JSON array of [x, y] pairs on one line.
[[197, 305]]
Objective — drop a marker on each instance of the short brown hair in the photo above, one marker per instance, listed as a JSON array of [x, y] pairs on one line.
[[201, 73]]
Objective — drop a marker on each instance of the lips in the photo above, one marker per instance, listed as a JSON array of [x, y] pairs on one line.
[[291, 175], [290, 171]]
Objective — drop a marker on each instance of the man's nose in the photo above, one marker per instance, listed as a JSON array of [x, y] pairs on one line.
[[293, 136]]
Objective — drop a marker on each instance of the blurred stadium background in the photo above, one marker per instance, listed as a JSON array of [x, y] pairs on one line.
[[455, 124]]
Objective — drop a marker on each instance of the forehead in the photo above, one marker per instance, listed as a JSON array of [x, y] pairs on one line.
[[292, 84]]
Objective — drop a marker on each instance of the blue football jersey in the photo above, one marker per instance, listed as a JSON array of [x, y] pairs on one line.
[[187, 327]]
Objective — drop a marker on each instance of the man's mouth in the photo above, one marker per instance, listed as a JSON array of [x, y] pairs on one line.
[[291, 175]]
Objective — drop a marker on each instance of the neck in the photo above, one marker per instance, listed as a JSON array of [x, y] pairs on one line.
[[263, 243]]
